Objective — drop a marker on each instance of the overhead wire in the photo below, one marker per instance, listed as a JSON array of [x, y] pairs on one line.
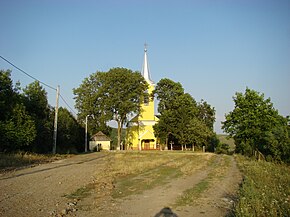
[[67, 104], [49, 86], [21, 70]]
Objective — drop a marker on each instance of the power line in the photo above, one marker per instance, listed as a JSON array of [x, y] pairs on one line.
[[67, 104], [27, 73], [21, 70]]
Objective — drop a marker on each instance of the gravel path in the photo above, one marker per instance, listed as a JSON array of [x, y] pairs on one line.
[[41, 190], [217, 200]]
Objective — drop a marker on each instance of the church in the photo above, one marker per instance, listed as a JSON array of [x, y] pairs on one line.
[[140, 133]]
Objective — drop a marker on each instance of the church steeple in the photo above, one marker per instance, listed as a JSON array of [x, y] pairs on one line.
[[145, 69]]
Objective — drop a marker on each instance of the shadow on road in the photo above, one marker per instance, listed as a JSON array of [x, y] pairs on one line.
[[166, 212], [52, 167]]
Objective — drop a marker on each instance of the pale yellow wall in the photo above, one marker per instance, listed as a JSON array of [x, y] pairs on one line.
[[105, 145]]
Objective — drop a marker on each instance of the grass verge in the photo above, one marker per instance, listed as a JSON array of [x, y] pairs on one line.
[[10, 162], [265, 190], [135, 172], [218, 165]]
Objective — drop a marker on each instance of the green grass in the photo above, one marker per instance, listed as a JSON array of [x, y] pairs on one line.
[[191, 194], [81, 193], [265, 190], [137, 184], [218, 168]]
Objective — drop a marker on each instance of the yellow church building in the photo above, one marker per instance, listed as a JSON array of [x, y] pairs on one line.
[[140, 133]]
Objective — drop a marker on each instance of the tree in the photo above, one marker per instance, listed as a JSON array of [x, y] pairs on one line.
[[167, 91], [17, 128], [36, 103], [18, 131], [114, 95], [88, 102], [70, 133], [206, 113], [8, 95], [256, 125], [180, 115]]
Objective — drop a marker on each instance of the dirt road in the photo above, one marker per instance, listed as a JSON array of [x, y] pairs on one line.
[[40, 191], [208, 190]]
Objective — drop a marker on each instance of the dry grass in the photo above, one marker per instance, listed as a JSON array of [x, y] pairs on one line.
[[14, 161], [125, 171], [218, 169]]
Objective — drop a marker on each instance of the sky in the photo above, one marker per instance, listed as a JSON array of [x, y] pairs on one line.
[[214, 48]]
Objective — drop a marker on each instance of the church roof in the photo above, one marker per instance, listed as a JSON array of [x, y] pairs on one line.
[[145, 68]]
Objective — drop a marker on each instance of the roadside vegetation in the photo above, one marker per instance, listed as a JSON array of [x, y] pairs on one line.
[[218, 168], [257, 127], [18, 160], [265, 190], [26, 120]]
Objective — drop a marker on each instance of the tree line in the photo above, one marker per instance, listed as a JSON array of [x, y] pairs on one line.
[[26, 120], [254, 124], [257, 127], [183, 120]]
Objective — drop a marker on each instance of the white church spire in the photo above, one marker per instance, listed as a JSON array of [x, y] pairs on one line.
[[145, 69]]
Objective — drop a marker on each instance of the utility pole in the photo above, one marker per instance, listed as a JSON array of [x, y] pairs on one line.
[[55, 121], [86, 133]]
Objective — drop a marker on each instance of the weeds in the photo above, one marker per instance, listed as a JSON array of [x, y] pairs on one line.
[[135, 172], [265, 190], [21, 159], [191, 194], [218, 166], [81, 193]]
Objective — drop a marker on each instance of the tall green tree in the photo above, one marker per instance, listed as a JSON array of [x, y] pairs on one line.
[[206, 113], [17, 127], [256, 125], [114, 95], [8, 94], [70, 133], [167, 91], [18, 131], [36, 103], [180, 115], [88, 102]]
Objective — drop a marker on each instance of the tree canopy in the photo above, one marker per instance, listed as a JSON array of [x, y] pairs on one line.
[[181, 116], [26, 120], [17, 127], [256, 125], [113, 95]]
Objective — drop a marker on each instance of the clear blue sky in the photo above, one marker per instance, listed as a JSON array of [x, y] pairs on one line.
[[213, 48]]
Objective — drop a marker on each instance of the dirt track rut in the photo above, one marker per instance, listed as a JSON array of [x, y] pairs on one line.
[[41, 190]]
